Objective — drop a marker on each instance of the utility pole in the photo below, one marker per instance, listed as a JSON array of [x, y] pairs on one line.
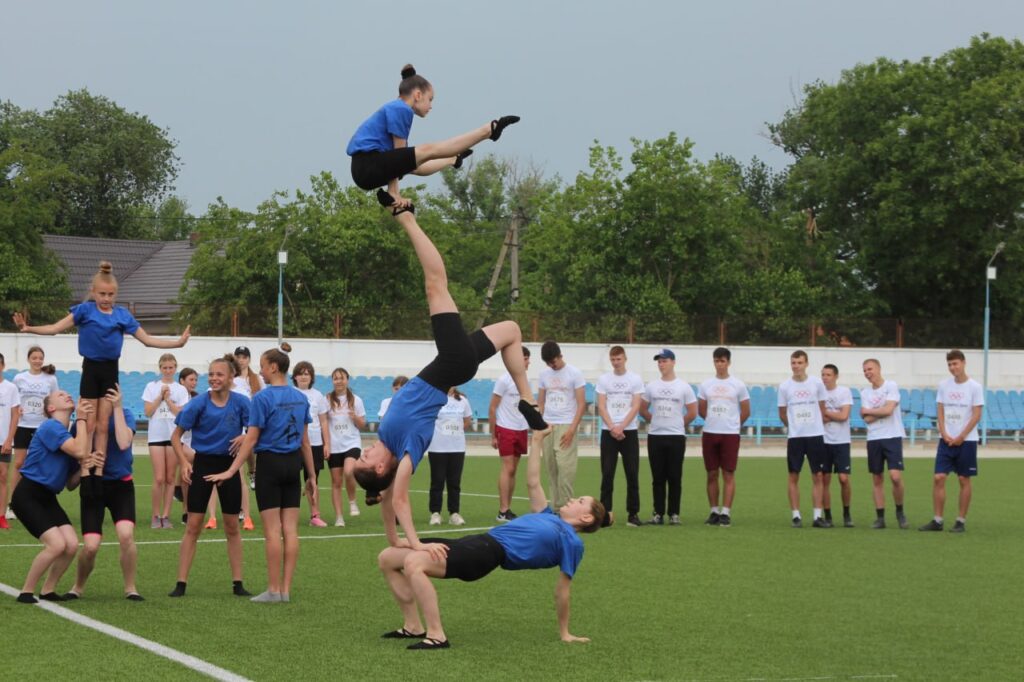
[[511, 240]]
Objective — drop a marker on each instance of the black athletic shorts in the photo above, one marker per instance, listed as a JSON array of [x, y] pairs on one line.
[[277, 480], [371, 170], [337, 459], [837, 458], [117, 496], [37, 508], [318, 462], [887, 452], [229, 492], [164, 443], [98, 376], [471, 557], [5, 457], [23, 437], [458, 354], [813, 447]]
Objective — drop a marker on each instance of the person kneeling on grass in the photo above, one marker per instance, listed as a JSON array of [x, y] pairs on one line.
[[543, 539]]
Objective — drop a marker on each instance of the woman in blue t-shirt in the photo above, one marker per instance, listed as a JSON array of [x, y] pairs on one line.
[[379, 151], [51, 464], [277, 433], [101, 329]]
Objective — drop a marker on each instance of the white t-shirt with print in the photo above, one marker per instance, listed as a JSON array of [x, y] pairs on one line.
[[317, 407], [9, 399], [958, 402], [449, 427], [723, 397], [161, 422], [507, 414], [875, 398], [667, 402], [800, 398], [837, 433], [33, 389], [619, 390], [241, 385], [560, 393], [344, 434]]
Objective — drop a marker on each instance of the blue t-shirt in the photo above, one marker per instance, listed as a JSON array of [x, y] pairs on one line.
[[101, 336], [45, 463], [408, 425], [374, 135], [213, 428], [541, 540], [118, 465], [280, 413]]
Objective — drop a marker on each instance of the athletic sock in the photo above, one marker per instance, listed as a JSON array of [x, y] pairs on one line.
[[828, 514], [938, 519], [796, 513], [817, 513], [27, 598], [880, 513], [961, 519], [179, 590], [899, 508], [716, 510], [725, 511], [846, 510], [238, 590]]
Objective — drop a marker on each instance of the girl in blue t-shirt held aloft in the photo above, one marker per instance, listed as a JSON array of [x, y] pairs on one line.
[[278, 435], [379, 151], [101, 329], [53, 462]]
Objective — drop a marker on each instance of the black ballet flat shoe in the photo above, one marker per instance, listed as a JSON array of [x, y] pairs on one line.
[[533, 416], [499, 125], [385, 199], [429, 643], [459, 158], [402, 633]]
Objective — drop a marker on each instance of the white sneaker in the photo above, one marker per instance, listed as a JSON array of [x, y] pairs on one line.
[[353, 509], [252, 481], [339, 522], [456, 519], [435, 519], [10, 515]]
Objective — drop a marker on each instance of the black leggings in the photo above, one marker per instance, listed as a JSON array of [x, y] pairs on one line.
[[458, 354], [665, 454], [629, 448], [446, 468]]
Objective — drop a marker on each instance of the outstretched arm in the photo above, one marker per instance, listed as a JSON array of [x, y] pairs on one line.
[[62, 325], [538, 501], [562, 590], [153, 342]]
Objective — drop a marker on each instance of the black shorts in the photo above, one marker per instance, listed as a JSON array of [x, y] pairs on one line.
[[117, 496], [318, 462], [337, 459], [98, 376], [837, 458], [23, 437], [163, 443], [371, 170], [37, 508], [5, 457], [813, 447], [229, 492], [471, 557], [458, 354], [887, 451], [277, 480]]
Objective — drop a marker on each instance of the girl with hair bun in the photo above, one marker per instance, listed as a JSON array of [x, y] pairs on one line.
[[101, 329], [379, 148]]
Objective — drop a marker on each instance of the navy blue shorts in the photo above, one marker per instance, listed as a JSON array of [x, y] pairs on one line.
[[963, 459], [837, 458], [813, 447], [885, 451]]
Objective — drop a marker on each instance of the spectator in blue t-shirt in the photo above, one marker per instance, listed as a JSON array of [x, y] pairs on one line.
[[101, 329], [379, 148], [544, 539]]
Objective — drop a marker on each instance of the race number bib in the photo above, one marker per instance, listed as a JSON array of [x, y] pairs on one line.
[[450, 427], [163, 412], [664, 409], [557, 400], [618, 406], [954, 417], [339, 428], [33, 404], [803, 415], [719, 410]]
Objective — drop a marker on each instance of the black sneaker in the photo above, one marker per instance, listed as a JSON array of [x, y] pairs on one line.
[[932, 525], [506, 516], [902, 520], [797, 522], [819, 523], [634, 521], [847, 522], [724, 520], [828, 523], [879, 524], [656, 520], [713, 519], [958, 527]]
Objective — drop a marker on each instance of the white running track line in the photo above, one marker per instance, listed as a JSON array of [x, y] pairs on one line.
[[174, 655]]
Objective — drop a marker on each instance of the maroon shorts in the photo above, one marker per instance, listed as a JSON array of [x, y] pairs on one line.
[[720, 450], [511, 443]]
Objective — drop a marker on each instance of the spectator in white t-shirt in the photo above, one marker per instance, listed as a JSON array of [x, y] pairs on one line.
[[447, 456], [10, 409], [508, 436], [724, 404], [619, 394], [801, 406], [561, 399], [960, 403], [838, 403], [163, 399], [396, 383], [880, 408]]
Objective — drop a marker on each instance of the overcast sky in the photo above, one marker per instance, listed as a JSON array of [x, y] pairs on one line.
[[260, 95]]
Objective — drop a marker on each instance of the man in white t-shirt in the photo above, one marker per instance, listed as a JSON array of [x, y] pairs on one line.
[[724, 404], [880, 408], [838, 403], [562, 399], [508, 436], [801, 406], [960, 402], [618, 402]]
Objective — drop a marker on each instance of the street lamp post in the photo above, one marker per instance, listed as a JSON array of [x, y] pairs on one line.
[[282, 261], [990, 274]]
